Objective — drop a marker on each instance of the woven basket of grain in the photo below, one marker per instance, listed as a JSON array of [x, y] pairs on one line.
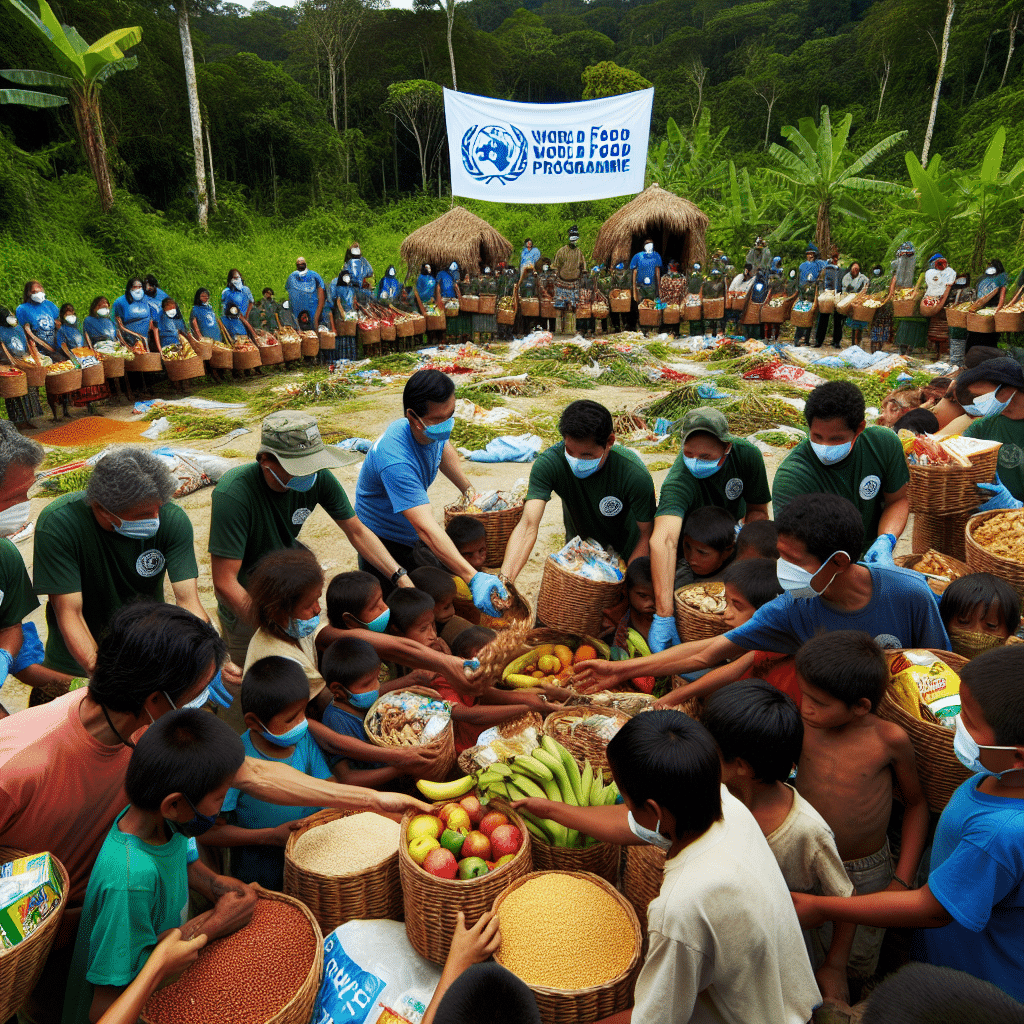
[[328, 341], [905, 307], [419, 325], [346, 327], [405, 328], [567, 600], [1010, 315], [184, 369], [981, 323], [13, 383], [487, 304], [292, 350], [866, 314], [714, 309], [92, 375], [1009, 525], [505, 316], [691, 310], [956, 316], [827, 301], [369, 332], [694, 624], [34, 375], [113, 367], [438, 321], [388, 332], [147, 362], [777, 314], [271, 355]]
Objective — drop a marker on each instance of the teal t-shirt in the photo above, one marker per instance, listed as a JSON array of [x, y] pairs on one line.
[[1011, 456], [136, 892], [606, 505], [875, 467], [741, 481]]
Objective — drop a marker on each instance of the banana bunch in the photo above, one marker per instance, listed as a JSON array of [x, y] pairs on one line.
[[550, 772]]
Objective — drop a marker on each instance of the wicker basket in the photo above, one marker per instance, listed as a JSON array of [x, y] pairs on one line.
[[469, 304], [957, 568], [92, 375], [327, 342], [498, 526], [956, 317], [827, 301], [648, 317], [388, 332], [442, 749], [21, 965], [271, 355], [1012, 322], [487, 304], [620, 300], [980, 559], [184, 369], [439, 322], [695, 625], [529, 307], [405, 328], [299, 1009], [34, 375], [930, 309], [346, 328], [292, 350], [944, 490], [13, 383], [944, 533], [147, 362], [583, 744], [547, 309], [714, 309], [752, 313], [584, 311], [601, 859], [466, 761], [981, 324], [672, 314], [569, 601], [64, 383], [692, 311], [777, 314], [310, 346], [113, 367], [431, 903], [804, 317], [865, 314], [245, 358], [370, 894], [642, 875], [419, 325], [369, 335], [505, 316], [221, 358], [969, 644], [580, 1006], [202, 347]]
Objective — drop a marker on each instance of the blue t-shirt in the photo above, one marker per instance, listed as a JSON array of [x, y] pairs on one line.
[[100, 328], [360, 269], [529, 256], [809, 271], [902, 612], [977, 871], [41, 317], [426, 287], [207, 320], [14, 339], [234, 326], [388, 288], [156, 301], [68, 337], [344, 723], [169, 328], [394, 477], [241, 297], [447, 283], [135, 316], [345, 294], [302, 292], [645, 263], [831, 277], [265, 864]]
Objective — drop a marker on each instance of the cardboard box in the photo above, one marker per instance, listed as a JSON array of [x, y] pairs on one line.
[[31, 889]]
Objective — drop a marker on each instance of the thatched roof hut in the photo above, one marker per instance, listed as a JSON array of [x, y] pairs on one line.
[[675, 225], [457, 235]]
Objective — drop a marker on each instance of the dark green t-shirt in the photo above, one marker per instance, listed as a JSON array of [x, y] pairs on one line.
[[73, 554], [17, 599], [606, 505], [248, 519], [1011, 456], [742, 480], [875, 467]]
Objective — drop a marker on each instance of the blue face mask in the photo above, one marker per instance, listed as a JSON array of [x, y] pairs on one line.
[[987, 405], [136, 529], [968, 752], [654, 838], [361, 700], [830, 454], [582, 468], [196, 702], [300, 628], [296, 483], [198, 824], [701, 468], [438, 431], [286, 739], [380, 623]]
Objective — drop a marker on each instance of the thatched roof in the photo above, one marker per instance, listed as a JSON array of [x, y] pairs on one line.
[[456, 235], [675, 225]]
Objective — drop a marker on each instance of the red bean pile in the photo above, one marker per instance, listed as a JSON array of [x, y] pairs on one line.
[[244, 978]]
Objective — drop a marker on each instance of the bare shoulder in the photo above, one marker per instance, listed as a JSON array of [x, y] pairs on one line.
[[894, 736]]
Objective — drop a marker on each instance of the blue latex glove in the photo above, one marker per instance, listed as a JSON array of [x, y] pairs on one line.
[[880, 553], [1001, 497], [6, 662], [219, 693], [482, 586], [663, 633]]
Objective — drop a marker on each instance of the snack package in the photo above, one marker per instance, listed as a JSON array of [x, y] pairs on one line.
[[587, 558], [408, 719], [31, 888], [923, 675]]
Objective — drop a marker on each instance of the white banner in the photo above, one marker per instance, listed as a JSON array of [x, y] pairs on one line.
[[547, 152]]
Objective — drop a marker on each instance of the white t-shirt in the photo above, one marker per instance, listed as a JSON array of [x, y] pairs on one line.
[[725, 943]]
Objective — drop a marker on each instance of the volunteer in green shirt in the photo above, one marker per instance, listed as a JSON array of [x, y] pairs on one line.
[[712, 468], [843, 456], [261, 507], [104, 547], [994, 390], [607, 492]]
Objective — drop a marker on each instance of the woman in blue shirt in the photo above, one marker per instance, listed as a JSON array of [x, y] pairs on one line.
[[204, 319], [360, 269], [237, 291], [344, 303], [155, 295], [991, 290], [17, 346], [308, 296], [38, 316], [73, 345], [134, 315], [101, 333], [448, 286], [428, 297], [389, 286]]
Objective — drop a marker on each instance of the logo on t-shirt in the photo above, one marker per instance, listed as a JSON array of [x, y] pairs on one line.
[[149, 563], [300, 515], [610, 506], [734, 488], [888, 642], [869, 487], [1010, 456]]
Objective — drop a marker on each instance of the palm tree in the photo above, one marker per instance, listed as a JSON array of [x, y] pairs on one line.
[[819, 166], [88, 68]]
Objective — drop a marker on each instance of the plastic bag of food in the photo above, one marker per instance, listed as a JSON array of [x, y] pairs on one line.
[[926, 676]]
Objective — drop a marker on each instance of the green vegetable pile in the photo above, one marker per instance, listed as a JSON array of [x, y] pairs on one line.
[[473, 436]]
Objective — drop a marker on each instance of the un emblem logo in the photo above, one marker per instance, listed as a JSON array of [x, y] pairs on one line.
[[494, 153]]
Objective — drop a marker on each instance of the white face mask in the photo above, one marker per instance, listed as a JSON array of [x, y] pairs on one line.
[[356, 252], [990, 270], [103, 311], [172, 313], [236, 282], [12, 321], [137, 294], [648, 247], [37, 296], [14, 518], [303, 271], [71, 319], [284, 305]]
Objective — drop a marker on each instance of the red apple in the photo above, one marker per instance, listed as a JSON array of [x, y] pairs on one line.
[[421, 846], [455, 817], [505, 839], [491, 865], [443, 812], [472, 806], [477, 845], [442, 863], [472, 867], [491, 821]]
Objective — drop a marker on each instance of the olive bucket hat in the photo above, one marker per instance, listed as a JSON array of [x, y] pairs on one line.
[[293, 438]]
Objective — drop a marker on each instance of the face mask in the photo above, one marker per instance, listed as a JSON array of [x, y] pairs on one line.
[[137, 294], [961, 281], [14, 518], [987, 405], [696, 267], [648, 247], [232, 311], [362, 700], [356, 252], [137, 529], [198, 824], [172, 313], [454, 268], [877, 273], [380, 623], [284, 305], [701, 468], [197, 702], [796, 580], [104, 311], [582, 468], [300, 628], [71, 319], [654, 838], [391, 271], [830, 454], [968, 752], [236, 282], [346, 280], [487, 270], [12, 321], [37, 296], [286, 739], [547, 266], [792, 274], [297, 483], [426, 269], [438, 431], [990, 270]]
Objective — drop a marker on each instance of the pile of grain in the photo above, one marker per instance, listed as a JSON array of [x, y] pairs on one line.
[[348, 845]]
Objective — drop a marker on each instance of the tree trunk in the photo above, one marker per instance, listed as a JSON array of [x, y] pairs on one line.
[[887, 65], [450, 12], [344, 110], [768, 123], [984, 65], [824, 229], [332, 74], [88, 121], [1014, 22], [943, 54], [192, 87], [209, 154]]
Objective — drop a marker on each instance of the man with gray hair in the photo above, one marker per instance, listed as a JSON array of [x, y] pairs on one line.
[[106, 546]]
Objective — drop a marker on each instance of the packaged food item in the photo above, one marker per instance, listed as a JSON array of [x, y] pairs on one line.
[[492, 501], [924, 675], [588, 558], [408, 719], [1003, 535], [31, 889]]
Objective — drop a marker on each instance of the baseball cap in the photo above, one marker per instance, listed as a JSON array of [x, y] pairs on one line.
[[707, 421], [293, 438]]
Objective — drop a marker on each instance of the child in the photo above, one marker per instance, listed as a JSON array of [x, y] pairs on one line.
[[440, 585], [470, 537], [274, 697], [471, 641], [709, 544], [979, 603], [759, 539], [179, 772], [849, 759], [640, 595], [412, 615], [759, 734], [970, 909]]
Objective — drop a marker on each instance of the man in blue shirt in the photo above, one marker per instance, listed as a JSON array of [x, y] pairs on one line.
[[307, 294], [807, 273], [530, 254], [646, 267]]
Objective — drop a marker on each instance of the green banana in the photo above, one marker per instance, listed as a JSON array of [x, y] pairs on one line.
[[500, 768], [597, 790], [586, 783], [553, 762], [526, 786], [527, 765], [535, 830], [572, 770], [599, 645], [551, 832]]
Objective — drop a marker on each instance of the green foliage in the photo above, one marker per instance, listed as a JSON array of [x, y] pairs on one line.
[[608, 79]]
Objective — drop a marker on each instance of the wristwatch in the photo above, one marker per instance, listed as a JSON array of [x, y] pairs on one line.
[[398, 574]]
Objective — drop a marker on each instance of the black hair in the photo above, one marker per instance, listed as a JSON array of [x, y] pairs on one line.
[[671, 759], [997, 264], [755, 578], [836, 400], [425, 387], [195, 298], [278, 581], [347, 661], [713, 526], [920, 421], [152, 648], [464, 530], [962, 596], [270, 685], [433, 581], [756, 721], [762, 536], [151, 280], [128, 287], [638, 573], [407, 604], [585, 420], [188, 751], [846, 664], [996, 680], [823, 523], [231, 273], [471, 639], [488, 992], [349, 592]]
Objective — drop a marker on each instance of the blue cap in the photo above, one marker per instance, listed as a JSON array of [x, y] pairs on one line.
[[937, 256], [620, 266]]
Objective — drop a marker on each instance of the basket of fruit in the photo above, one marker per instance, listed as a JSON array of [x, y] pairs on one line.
[[506, 312], [448, 862], [245, 356], [940, 570], [271, 352], [202, 347], [905, 302], [699, 611], [63, 378], [343, 865], [648, 313], [113, 366], [221, 357], [982, 321], [995, 543], [414, 717], [585, 731], [866, 308], [436, 320], [573, 940], [310, 343], [13, 382], [621, 300], [180, 362]]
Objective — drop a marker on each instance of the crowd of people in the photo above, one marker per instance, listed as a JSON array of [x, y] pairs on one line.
[[117, 769]]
